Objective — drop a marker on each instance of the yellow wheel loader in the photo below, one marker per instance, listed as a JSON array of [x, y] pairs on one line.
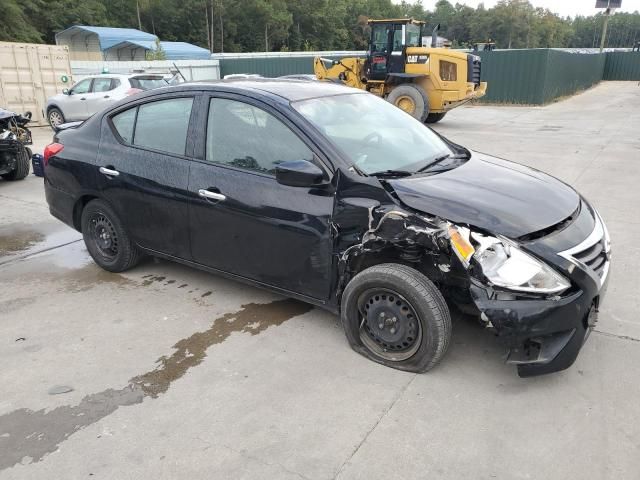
[[425, 82]]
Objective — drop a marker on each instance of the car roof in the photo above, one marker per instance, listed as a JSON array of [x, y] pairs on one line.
[[288, 89]]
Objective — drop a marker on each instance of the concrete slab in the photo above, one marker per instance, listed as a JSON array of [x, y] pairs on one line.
[[179, 374]]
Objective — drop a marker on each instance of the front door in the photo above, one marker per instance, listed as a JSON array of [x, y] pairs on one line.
[[75, 105], [242, 221], [143, 171]]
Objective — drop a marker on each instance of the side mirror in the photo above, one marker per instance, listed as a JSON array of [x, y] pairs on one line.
[[66, 91], [299, 173]]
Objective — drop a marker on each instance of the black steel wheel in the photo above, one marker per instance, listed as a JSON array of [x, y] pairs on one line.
[[389, 325], [106, 238], [394, 315]]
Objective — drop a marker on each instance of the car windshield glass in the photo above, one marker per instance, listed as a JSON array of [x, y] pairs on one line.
[[147, 83], [375, 135]]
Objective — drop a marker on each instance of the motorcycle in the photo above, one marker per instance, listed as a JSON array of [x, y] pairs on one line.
[[15, 156]]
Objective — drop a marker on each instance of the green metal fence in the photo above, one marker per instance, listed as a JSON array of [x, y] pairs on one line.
[[529, 76], [538, 76], [622, 66]]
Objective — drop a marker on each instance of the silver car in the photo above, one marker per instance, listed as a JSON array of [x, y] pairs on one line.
[[92, 94]]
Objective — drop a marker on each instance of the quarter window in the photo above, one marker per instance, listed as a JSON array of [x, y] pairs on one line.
[[448, 71], [245, 136], [124, 123], [160, 125]]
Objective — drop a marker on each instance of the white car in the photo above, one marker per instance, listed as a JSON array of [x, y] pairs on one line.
[[92, 94]]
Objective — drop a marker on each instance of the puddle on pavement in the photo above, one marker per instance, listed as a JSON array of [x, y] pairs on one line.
[[20, 238], [18, 241], [30, 435]]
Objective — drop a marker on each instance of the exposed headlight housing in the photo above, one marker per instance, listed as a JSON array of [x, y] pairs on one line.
[[505, 265]]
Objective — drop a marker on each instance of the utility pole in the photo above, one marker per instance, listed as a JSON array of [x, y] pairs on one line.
[[138, 12], [604, 28]]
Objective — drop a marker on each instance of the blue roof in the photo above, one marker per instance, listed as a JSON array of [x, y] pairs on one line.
[[184, 51], [110, 36], [172, 50]]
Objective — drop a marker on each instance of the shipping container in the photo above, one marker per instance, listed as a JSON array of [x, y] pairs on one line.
[[29, 74]]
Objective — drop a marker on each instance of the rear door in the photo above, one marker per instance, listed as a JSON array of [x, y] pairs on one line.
[[143, 167], [100, 96], [252, 226]]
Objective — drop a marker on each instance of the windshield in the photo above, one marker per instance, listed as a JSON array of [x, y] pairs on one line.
[[374, 134]]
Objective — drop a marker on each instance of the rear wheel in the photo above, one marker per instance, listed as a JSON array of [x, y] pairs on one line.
[[412, 99], [55, 117], [106, 238], [22, 166], [394, 315], [435, 117]]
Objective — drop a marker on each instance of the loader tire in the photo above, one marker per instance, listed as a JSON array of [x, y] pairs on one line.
[[435, 117], [412, 99]]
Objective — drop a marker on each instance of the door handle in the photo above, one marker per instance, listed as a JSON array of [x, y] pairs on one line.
[[83, 98], [212, 195], [106, 96], [109, 172]]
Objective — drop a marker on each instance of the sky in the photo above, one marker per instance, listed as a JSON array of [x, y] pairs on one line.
[[562, 7]]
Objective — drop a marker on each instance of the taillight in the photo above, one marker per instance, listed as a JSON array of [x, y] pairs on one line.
[[51, 150], [133, 91]]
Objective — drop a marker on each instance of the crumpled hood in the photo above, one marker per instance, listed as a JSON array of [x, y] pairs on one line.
[[496, 195]]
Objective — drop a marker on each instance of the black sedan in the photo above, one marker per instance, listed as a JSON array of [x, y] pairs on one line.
[[337, 198]]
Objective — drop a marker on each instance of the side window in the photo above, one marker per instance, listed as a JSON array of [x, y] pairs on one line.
[[101, 85], [245, 136], [162, 125], [448, 71], [82, 87], [124, 123], [397, 38], [115, 83]]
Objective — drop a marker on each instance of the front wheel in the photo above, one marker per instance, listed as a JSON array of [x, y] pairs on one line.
[[22, 165], [394, 315], [435, 117], [55, 117], [106, 239]]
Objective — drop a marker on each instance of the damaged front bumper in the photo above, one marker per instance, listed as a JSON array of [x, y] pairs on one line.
[[543, 336]]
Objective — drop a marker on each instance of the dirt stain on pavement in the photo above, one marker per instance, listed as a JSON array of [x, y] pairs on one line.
[[27, 436]]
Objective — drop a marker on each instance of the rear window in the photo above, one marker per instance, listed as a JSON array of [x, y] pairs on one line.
[[160, 125], [147, 83]]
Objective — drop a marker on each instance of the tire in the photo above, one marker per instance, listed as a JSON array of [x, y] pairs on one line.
[[23, 162], [435, 117], [55, 117], [106, 238], [411, 299], [413, 97]]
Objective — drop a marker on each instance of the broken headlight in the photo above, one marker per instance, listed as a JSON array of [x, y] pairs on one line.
[[505, 265]]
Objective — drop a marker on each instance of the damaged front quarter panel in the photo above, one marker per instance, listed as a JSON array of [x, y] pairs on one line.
[[370, 232]]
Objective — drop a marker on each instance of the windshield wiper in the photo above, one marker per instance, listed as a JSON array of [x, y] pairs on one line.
[[442, 158], [391, 173]]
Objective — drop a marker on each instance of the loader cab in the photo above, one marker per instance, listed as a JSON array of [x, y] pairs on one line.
[[388, 46]]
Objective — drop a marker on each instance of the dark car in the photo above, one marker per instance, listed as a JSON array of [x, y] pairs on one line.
[[335, 197]]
